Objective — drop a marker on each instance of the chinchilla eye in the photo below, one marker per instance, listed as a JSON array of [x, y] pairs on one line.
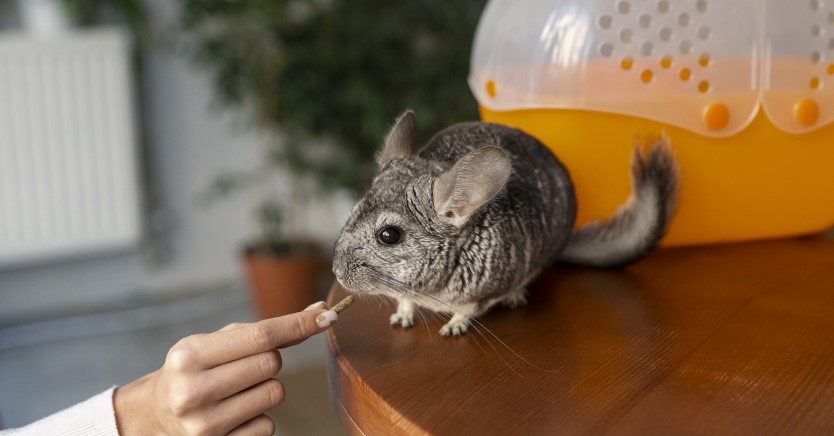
[[389, 235]]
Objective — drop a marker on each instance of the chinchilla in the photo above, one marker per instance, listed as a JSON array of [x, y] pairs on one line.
[[473, 217]]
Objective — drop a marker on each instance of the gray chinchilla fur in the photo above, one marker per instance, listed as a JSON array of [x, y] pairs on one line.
[[472, 218]]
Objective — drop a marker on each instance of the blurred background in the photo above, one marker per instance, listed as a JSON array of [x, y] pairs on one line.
[[168, 167]]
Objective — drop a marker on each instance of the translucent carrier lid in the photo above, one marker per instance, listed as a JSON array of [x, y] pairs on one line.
[[704, 65]]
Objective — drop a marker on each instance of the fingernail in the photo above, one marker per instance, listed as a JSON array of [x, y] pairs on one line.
[[315, 305], [326, 319]]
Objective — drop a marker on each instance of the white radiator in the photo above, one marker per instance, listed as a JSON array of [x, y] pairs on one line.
[[68, 161]]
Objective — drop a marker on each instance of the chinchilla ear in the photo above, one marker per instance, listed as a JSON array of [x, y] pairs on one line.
[[474, 180], [398, 141]]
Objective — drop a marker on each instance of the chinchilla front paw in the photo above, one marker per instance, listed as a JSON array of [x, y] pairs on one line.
[[455, 327], [404, 315], [403, 319]]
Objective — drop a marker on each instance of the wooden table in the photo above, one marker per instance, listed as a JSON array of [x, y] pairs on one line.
[[730, 339]]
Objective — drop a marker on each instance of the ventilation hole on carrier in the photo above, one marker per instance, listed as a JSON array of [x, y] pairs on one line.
[[626, 35], [646, 76], [683, 19], [624, 7], [604, 21], [647, 48], [666, 61], [663, 6], [490, 88], [831, 44], [704, 32], [701, 5], [704, 60], [830, 70], [626, 63], [814, 83], [703, 86], [665, 34], [685, 74], [645, 20], [806, 112], [816, 31], [606, 49], [716, 116], [816, 5], [686, 46]]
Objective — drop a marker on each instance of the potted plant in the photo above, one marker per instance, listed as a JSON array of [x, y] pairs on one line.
[[322, 80], [284, 273], [284, 270]]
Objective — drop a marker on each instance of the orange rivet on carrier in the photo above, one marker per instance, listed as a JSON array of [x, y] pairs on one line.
[[490, 88], [806, 112], [716, 116]]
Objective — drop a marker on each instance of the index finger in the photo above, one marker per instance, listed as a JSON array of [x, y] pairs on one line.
[[229, 345]]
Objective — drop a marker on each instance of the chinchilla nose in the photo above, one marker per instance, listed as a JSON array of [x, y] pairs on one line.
[[344, 258], [339, 265]]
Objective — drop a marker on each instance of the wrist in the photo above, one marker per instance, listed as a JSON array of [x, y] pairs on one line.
[[134, 408]]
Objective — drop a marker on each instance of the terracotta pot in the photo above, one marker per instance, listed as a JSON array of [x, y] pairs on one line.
[[283, 284]]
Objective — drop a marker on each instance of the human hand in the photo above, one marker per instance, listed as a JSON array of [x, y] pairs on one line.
[[218, 383]]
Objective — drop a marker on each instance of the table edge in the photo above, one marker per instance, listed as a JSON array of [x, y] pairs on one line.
[[338, 368]]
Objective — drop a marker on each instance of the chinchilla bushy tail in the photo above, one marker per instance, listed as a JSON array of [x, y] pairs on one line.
[[639, 225]]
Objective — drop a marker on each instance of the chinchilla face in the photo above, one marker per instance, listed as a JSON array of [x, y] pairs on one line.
[[404, 237], [391, 244]]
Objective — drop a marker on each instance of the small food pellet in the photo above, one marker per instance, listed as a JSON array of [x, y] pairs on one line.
[[342, 305], [328, 318]]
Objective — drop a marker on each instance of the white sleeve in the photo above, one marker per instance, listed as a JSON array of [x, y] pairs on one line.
[[94, 417]]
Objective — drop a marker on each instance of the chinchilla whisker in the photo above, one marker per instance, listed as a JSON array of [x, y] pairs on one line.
[[479, 332], [398, 287], [401, 287], [378, 299], [476, 324], [382, 278], [484, 350], [478, 327], [422, 297], [483, 330], [425, 322], [513, 351]]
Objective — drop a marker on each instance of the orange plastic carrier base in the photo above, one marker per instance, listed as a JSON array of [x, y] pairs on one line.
[[759, 183]]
